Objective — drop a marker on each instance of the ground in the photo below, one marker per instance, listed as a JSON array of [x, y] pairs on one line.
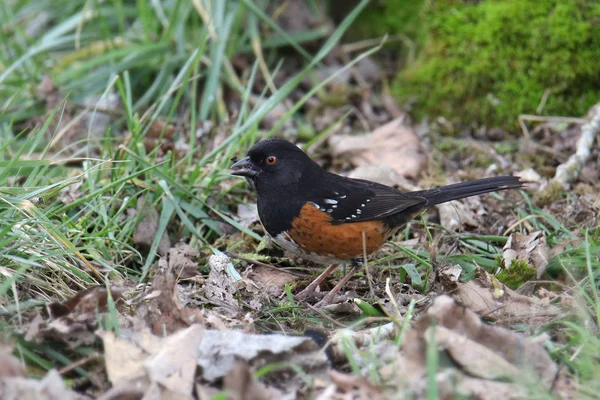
[[133, 263]]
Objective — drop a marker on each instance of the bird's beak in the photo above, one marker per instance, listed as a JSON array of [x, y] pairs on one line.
[[244, 167]]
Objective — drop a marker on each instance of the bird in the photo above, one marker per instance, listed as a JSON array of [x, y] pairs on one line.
[[332, 219]]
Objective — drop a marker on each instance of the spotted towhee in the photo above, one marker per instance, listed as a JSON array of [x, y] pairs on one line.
[[328, 218]]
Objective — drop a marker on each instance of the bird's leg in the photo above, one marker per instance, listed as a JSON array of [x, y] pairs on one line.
[[310, 289], [356, 264]]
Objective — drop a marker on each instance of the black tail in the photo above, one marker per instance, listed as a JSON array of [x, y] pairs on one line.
[[469, 188]]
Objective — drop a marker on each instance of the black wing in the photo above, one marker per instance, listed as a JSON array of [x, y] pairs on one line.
[[354, 200]]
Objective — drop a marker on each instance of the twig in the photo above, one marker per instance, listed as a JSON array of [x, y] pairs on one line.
[[79, 363], [569, 171]]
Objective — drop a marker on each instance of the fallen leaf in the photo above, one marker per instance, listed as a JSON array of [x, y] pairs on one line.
[[220, 350], [269, 281], [183, 260], [86, 302], [456, 215], [247, 214], [493, 300], [347, 386], [51, 387], [173, 366], [530, 248], [162, 308], [220, 286], [145, 230], [160, 367], [488, 362], [241, 385], [394, 145], [74, 321]]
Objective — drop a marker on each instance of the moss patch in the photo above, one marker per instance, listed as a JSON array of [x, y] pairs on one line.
[[519, 273], [490, 61]]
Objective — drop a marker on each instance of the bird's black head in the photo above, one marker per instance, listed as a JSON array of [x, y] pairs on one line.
[[275, 163]]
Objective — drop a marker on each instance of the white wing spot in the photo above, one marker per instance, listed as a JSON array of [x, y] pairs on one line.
[[318, 207], [333, 206], [368, 200], [362, 205], [343, 196], [329, 210], [353, 216], [358, 212], [330, 201]]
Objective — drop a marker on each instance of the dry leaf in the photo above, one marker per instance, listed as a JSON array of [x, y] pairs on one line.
[[220, 286], [241, 385], [88, 302], [145, 230], [394, 145], [530, 248], [493, 300], [51, 387], [268, 281], [183, 260], [162, 308], [161, 367], [345, 386], [74, 321], [247, 214], [488, 353], [220, 350]]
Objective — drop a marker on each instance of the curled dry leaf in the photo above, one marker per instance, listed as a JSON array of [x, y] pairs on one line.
[[394, 145], [220, 286], [346, 386], [51, 387], [493, 300], [220, 350], [161, 308], [484, 357], [241, 385], [530, 248], [145, 230], [260, 279], [456, 214], [74, 321], [183, 260], [139, 359]]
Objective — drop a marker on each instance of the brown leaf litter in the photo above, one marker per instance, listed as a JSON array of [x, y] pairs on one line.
[[394, 145], [162, 308], [166, 365], [347, 386], [220, 350], [493, 300], [146, 228], [487, 362], [51, 387], [74, 321]]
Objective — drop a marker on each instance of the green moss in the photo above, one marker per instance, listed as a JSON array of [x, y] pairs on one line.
[[518, 273], [489, 61], [391, 17], [553, 192]]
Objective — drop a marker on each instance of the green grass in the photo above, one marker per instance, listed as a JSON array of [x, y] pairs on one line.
[[169, 63]]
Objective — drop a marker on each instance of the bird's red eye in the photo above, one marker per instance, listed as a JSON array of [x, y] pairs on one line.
[[271, 160]]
